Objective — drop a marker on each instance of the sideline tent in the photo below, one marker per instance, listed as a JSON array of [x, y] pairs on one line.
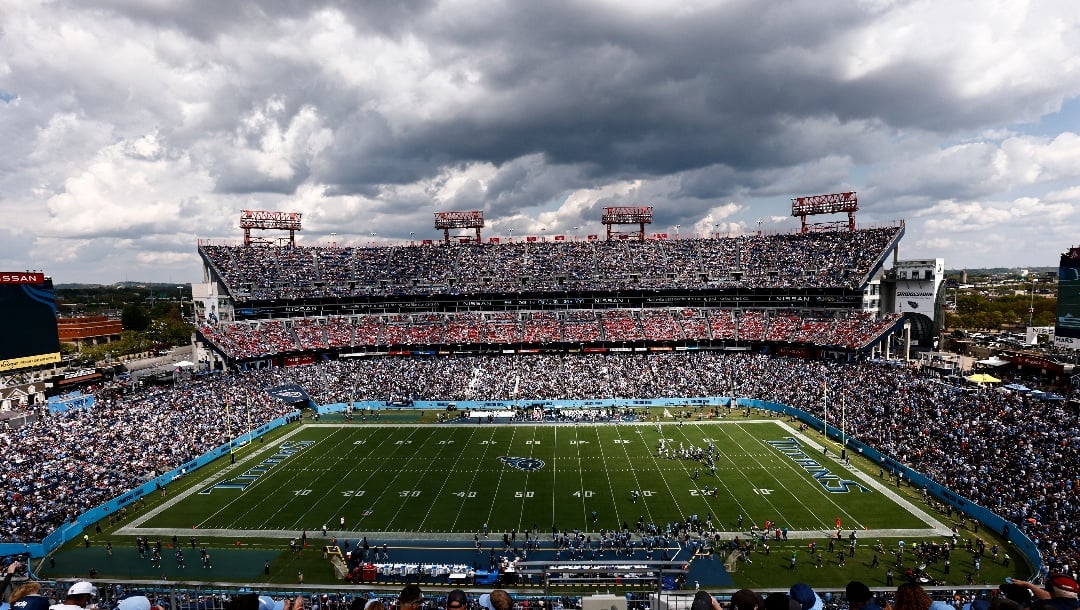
[[982, 378]]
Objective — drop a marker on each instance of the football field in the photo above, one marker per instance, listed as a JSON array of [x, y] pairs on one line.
[[450, 480]]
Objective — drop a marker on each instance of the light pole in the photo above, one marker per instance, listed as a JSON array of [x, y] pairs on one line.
[[181, 300], [716, 227], [1031, 305], [575, 232], [412, 242], [333, 239], [373, 234], [677, 231], [511, 240]]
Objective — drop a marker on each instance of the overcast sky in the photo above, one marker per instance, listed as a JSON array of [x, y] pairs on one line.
[[131, 129]]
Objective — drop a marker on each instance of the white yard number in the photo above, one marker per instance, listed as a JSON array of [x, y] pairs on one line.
[[360, 442], [446, 442], [532, 442], [465, 494], [523, 494], [487, 442], [301, 492], [763, 492], [353, 493], [579, 442], [409, 493], [403, 443], [622, 441], [583, 494]]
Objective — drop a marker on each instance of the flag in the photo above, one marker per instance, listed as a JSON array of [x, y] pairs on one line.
[[560, 238]]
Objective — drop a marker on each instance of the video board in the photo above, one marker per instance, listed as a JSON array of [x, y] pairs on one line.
[[1067, 327], [28, 308]]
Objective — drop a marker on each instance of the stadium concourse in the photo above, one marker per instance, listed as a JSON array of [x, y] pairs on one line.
[[994, 448]]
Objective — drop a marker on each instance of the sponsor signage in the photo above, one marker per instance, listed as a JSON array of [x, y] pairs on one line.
[[25, 277]]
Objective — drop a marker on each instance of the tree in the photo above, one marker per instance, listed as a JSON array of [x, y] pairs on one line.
[[135, 317]]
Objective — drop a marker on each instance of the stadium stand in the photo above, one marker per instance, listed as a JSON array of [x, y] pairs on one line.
[[891, 408], [810, 260]]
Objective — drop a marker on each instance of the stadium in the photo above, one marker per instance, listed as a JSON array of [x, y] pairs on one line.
[[623, 412]]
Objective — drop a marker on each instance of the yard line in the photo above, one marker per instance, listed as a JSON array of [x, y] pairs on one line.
[[343, 455], [498, 484], [633, 471], [554, 475], [667, 484], [800, 475], [379, 500], [239, 515], [724, 483], [457, 517], [603, 459], [445, 482], [528, 473]]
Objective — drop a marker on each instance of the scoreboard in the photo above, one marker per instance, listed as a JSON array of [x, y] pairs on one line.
[[28, 311]]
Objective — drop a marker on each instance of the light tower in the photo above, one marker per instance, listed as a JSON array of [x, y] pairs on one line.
[[473, 219], [627, 215]]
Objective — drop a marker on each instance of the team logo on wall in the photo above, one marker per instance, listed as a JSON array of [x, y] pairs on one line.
[[522, 463]]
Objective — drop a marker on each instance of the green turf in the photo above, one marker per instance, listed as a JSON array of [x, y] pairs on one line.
[[449, 479]]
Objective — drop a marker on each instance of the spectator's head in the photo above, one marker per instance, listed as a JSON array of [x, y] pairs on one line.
[[857, 593], [80, 594], [745, 599], [807, 598], [910, 596], [136, 602], [267, 603], [1016, 593], [457, 600], [702, 601], [1060, 585], [781, 601], [410, 598], [496, 600], [24, 590]]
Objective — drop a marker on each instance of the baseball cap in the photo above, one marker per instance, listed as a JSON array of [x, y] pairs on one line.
[[1062, 582], [802, 593], [457, 597], [485, 601], [82, 588], [267, 603], [134, 602]]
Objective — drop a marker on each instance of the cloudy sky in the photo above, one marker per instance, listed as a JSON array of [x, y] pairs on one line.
[[131, 129]]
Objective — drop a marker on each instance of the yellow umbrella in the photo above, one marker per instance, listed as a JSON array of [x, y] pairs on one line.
[[983, 378]]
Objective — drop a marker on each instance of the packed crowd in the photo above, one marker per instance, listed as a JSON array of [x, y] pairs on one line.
[[62, 464], [252, 339], [814, 260], [1059, 592], [1010, 452]]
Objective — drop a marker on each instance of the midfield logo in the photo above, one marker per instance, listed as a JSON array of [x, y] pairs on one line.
[[522, 463]]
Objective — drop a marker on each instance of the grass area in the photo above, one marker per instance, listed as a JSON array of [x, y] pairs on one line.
[[398, 481], [454, 479]]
